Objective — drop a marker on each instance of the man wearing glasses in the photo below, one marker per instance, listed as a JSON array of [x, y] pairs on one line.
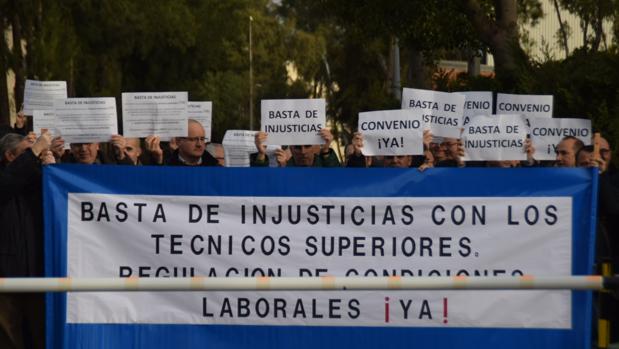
[[313, 155], [192, 149]]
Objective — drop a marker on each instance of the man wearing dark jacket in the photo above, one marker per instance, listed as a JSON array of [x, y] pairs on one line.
[[192, 149], [22, 316]]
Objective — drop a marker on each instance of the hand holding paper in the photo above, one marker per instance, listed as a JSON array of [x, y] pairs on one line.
[[153, 146], [327, 137]]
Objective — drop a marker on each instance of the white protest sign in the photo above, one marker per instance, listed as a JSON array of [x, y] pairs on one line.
[[293, 121], [40, 95], [238, 144], [476, 103], [531, 106], [547, 133], [391, 132], [86, 120], [162, 114], [201, 112], [495, 138], [114, 235], [440, 111], [44, 119]]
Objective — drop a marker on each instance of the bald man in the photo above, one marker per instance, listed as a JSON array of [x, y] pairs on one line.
[[192, 149]]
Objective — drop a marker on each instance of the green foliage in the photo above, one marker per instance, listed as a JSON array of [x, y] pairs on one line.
[[105, 47], [584, 85]]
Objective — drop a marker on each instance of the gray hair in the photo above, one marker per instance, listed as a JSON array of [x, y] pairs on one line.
[[9, 142]]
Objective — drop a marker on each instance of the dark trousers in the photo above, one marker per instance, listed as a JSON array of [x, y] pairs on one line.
[[22, 320]]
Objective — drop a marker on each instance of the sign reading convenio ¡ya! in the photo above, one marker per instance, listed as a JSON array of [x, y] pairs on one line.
[[391, 132], [166, 221], [547, 133]]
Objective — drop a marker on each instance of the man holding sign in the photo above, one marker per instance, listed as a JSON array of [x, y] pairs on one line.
[[397, 135], [300, 124], [302, 155]]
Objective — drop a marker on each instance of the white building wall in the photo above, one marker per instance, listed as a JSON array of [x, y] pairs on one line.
[[548, 27]]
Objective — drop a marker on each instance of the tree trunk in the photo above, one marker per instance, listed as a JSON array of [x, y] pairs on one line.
[[501, 36], [562, 29], [598, 29], [418, 74], [32, 30], [5, 116], [19, 61]]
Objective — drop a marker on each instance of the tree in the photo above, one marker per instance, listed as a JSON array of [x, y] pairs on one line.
[[499, 30]]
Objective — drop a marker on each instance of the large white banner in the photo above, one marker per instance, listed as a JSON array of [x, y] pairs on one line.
[[547, 133], [148, 236], [441, 111]]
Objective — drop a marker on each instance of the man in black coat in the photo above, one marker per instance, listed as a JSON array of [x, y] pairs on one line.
[[22, 316], [192, 149]]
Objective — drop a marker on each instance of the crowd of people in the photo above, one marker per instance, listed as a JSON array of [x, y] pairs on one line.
[[22, 155]]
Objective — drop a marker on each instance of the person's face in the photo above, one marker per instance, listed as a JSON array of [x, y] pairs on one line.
[[450, 147], [565, 154], [584, 159], [437, 151], [304, 154], [85, 153], [133, 149], [504, 163], [403, 161], [194, 145], [21, 148]]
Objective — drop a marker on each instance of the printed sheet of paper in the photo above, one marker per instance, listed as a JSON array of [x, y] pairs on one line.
[[44, 119], [441, 111], [238, 144], [40, 95], [547, 133], [163, 114], [86, 120], [495, 138], [391, 132], [293, 121], [203, 113]]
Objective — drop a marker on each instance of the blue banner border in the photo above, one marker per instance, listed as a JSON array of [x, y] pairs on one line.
[[59, 180]]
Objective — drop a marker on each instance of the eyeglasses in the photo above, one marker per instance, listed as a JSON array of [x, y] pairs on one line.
[[194, 139]]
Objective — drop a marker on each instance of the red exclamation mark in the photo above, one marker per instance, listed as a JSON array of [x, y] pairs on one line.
[[444, 310], [386, 309]]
